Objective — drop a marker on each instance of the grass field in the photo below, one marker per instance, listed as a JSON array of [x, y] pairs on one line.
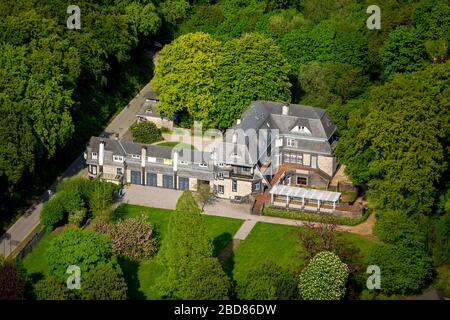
[[141, 277], [278, 243], [175, 143]]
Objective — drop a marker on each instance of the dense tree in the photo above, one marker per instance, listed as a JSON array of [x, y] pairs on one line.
[[132, 238], [205, 281], [403, 51], [104, 282], [52, 213], [250, 68], [51, 288], [268, 281], [399, 228], [404, 270], [12, 284], [184, 75], [100, 195], [327, 83], [324, 278], [174, 10], [187, 254], [145, 132], [441, 240], [85, 249], [398, 147]]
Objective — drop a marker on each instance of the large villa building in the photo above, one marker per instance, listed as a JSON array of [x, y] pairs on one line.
[[285, 150]]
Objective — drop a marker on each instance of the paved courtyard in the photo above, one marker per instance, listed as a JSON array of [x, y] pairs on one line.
[[151, 196]]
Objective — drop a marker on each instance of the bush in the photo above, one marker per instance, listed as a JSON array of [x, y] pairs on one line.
[[71, 200], [205, 281], [132, 238], [404, 270], [100, 195], [52, 213], [73, 246], [77, 217], [314, 217], [51, 288], [104, 282], [398, 228], [441, 240], [12, 284], [268, 281], [145, 132], [324, 278]]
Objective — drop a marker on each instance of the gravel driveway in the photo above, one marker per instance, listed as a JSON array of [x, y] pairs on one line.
[[151, 196]]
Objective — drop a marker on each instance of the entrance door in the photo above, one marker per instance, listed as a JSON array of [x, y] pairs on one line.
[[183, 183], [168, 182], [152, 179], [135, 177], [313, 161]]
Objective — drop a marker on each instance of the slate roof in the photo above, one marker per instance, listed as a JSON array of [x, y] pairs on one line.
[[269, 115]]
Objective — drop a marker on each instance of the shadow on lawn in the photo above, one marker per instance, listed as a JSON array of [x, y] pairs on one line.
[[130, 271]]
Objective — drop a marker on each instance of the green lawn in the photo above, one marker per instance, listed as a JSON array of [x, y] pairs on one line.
[[266, 241], [280, 244], [175, 143], [36, 262], [141, 278]]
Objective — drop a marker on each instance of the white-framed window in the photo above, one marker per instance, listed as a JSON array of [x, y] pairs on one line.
[[203, 165], [119, 170], [94, 155], [220, 175], [220, 188], [258, 186], [183, 162], [94, 170], [221, 165], [118, 158], [135, 156], [290, 142]]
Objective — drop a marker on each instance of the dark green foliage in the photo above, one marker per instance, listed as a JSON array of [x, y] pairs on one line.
[[205, 281], [432, 19], [104, 282], [51, 288], [52, 213], [403, 51], [145, 132], [398, 228], [100, 195], [251, 68], [190, 270], [399, 146], [403, 270], [441, 240], [73, 246], [327, 83], [12, 284], [268, 281]]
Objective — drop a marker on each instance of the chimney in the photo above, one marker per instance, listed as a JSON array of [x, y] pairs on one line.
[[175, 161], [285, 110], [238, 121], [101, 155], [143, 159]]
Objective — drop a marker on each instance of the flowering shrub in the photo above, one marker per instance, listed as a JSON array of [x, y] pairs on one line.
[[324, 278], [132, 238]]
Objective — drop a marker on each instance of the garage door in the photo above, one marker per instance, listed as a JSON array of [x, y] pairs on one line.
[[135, 177], [184, 183], [151, 179], [168, 182]]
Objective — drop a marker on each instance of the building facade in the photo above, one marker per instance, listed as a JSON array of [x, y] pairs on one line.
[[268, 136]]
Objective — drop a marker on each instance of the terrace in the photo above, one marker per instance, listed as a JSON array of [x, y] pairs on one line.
[[304, 199]]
